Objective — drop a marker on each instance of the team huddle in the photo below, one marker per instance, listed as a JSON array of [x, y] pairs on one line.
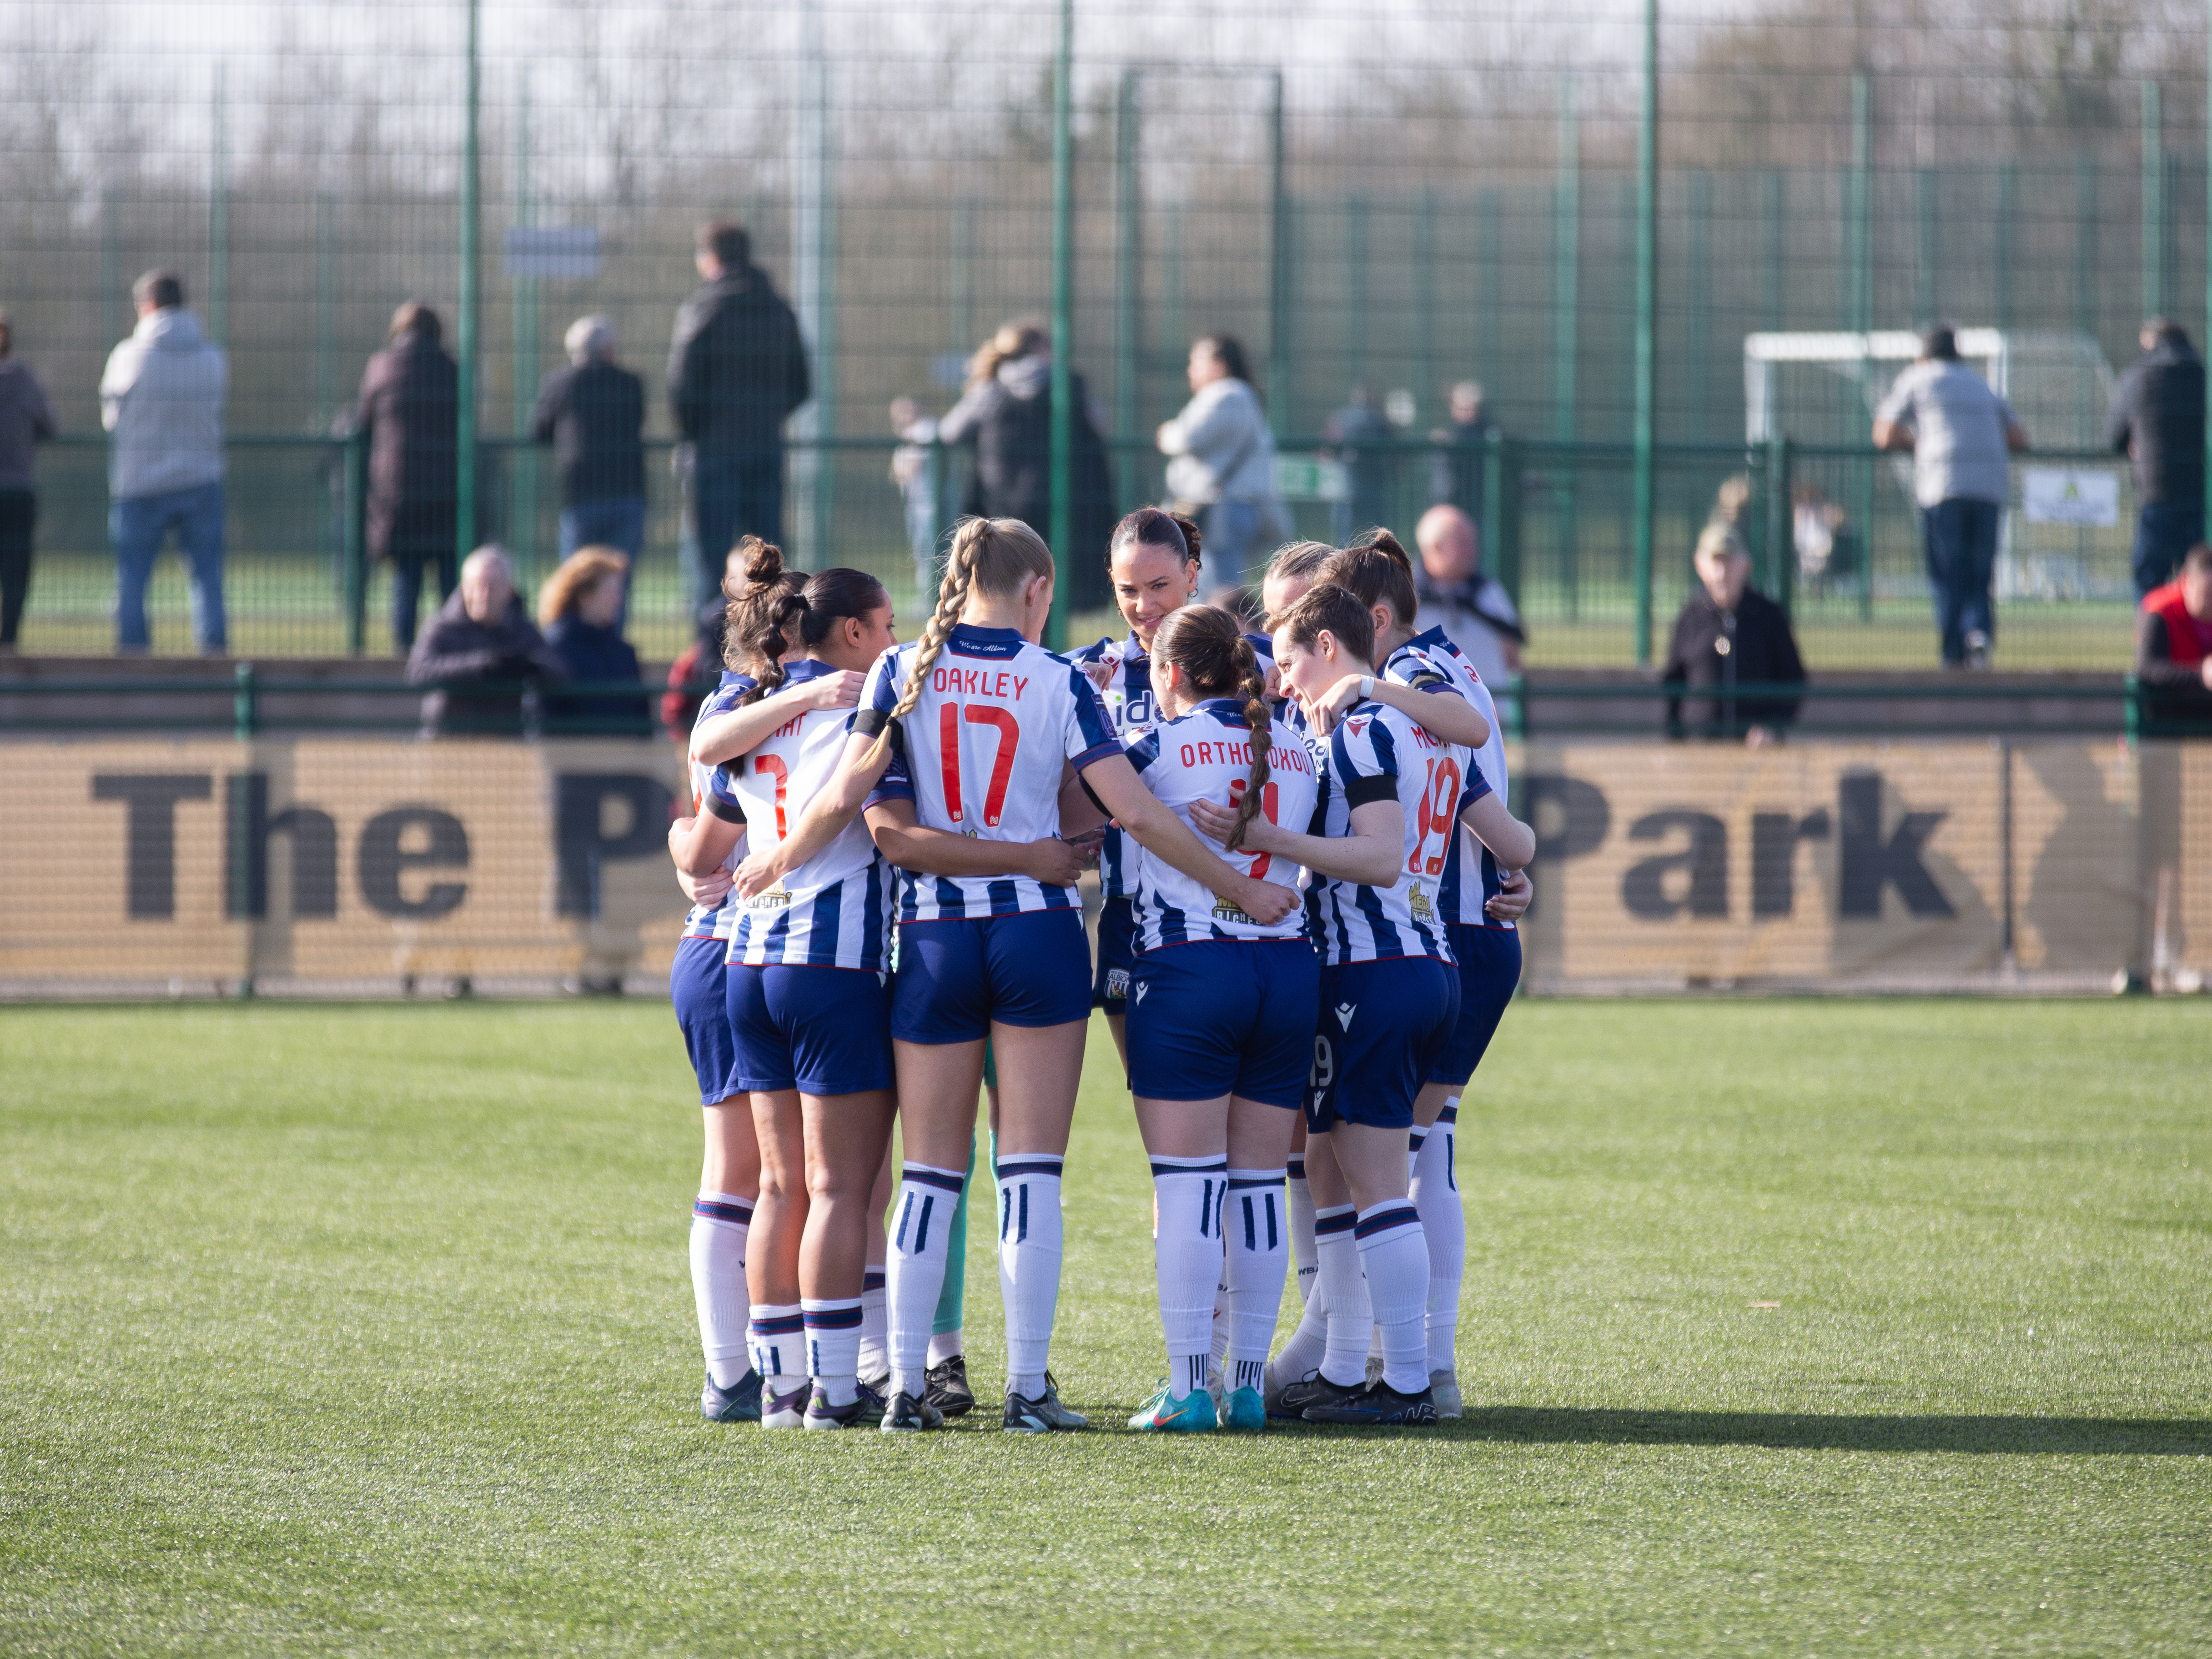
[[1310, 880]]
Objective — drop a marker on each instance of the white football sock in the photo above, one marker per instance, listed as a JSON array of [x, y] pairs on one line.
[[1259, 1247], [944, 1344], [720, 1222], [1028, 1264], [875, 1350], [1302, 1227], [777, 1336], [1302, 1355], [922, 1213], [1351, 1322], [1217, 1349], [833, 1346], [1414, 1137], [1396, 1258], [1187, 1262], [1443, 1223]]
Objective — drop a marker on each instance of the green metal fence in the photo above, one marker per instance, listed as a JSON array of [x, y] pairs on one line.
[[1586, 209]]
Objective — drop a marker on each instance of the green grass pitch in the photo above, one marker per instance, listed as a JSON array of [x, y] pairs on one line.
[[339, 1330]]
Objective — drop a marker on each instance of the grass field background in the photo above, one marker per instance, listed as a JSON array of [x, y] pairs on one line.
[[328, 1330]]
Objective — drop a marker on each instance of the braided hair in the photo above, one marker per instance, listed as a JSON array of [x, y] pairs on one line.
[[988, 556], [1208, 645], [761, 603]]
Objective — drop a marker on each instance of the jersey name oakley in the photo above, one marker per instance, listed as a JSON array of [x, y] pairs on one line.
[[997, 720], [1206, 755], [834, 910], [712, 920], [1375, 753], [1472, 876], [1128, 694]]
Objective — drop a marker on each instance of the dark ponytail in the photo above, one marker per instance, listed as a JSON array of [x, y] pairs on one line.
[[1208, 645], [781, 610], [761, 605]]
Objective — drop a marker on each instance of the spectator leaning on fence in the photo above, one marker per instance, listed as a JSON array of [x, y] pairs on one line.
[[1221, 466], [737, 368], [1360, 434], [580, 609], [2158, 421], [479, 651], [592, 413], [2173, 646], [1729, 634], [161, 399], [26, 419], [410, 408], [1459, 469], [1459, 596], [1959, 433]]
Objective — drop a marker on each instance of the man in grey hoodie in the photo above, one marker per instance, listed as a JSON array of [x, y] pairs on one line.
[[162, 400]]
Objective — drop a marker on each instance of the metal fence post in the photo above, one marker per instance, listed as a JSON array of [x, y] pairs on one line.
[[465, 445], [1859, 238], [1063, 315], [1647, 324], [1500, 557], [357, 541], [1127, 277], [1279, 268], [1781, 538], [1566, 317], [2154, 202], [245, 704]]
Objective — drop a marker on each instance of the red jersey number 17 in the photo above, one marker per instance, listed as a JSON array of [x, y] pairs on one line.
[[948, 718]]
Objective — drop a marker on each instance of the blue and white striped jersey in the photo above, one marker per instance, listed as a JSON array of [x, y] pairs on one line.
[[1375, 753], [1128, 694], [1206, 755], [1472, 876], [711, 921], [998, 720], [834, 910]]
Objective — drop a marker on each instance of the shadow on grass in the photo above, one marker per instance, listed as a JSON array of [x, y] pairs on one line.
[[2036, 1435]]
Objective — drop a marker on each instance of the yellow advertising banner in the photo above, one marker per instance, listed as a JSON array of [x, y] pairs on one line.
[[329, 865]]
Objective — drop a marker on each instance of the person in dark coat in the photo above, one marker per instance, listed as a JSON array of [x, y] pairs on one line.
[[2173, 648], [592, 412], [581, 609], [1459, 467], [1005, 413], [26, 419], [479, 651], [1729, 634], [1359, 435], [2158, 421], [737, 368], [410, 406]]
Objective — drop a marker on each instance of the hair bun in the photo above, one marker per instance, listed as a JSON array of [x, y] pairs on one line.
[[1191, 536], [763, 561]]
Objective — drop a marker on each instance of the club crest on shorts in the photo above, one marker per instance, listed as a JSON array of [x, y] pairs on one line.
[[1117, 984]]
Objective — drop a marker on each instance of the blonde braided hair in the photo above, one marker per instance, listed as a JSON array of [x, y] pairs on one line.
[[989, 555]]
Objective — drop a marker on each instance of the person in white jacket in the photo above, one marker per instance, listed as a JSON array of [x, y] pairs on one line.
[[1221, 458], [161, 401]]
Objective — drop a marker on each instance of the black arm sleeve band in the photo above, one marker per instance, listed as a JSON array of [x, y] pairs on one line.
[[728, 811], [1093, 794], [869, 721], [1360, 791]]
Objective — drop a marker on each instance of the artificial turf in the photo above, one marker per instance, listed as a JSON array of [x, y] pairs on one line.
[[368, 1329]]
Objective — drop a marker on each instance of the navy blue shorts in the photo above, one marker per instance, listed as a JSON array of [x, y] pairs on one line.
[[955, 977], [1223, 1017], [694, 980], [1381, 1027], [820, 1030], [1117, 957], [1489, 974]]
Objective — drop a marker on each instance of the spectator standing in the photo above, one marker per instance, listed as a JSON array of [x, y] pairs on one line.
[[1005, 412], [26, 419], [1359, 435], [2158, 422], [737, 368], [1729, 634], [2173, 645], [479, 651], [1221, 469], [1459, 468], [911, 472], [1459, 596], [592, 413], [161, 399], [410, 406], [1959, 433], [580, 609]]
